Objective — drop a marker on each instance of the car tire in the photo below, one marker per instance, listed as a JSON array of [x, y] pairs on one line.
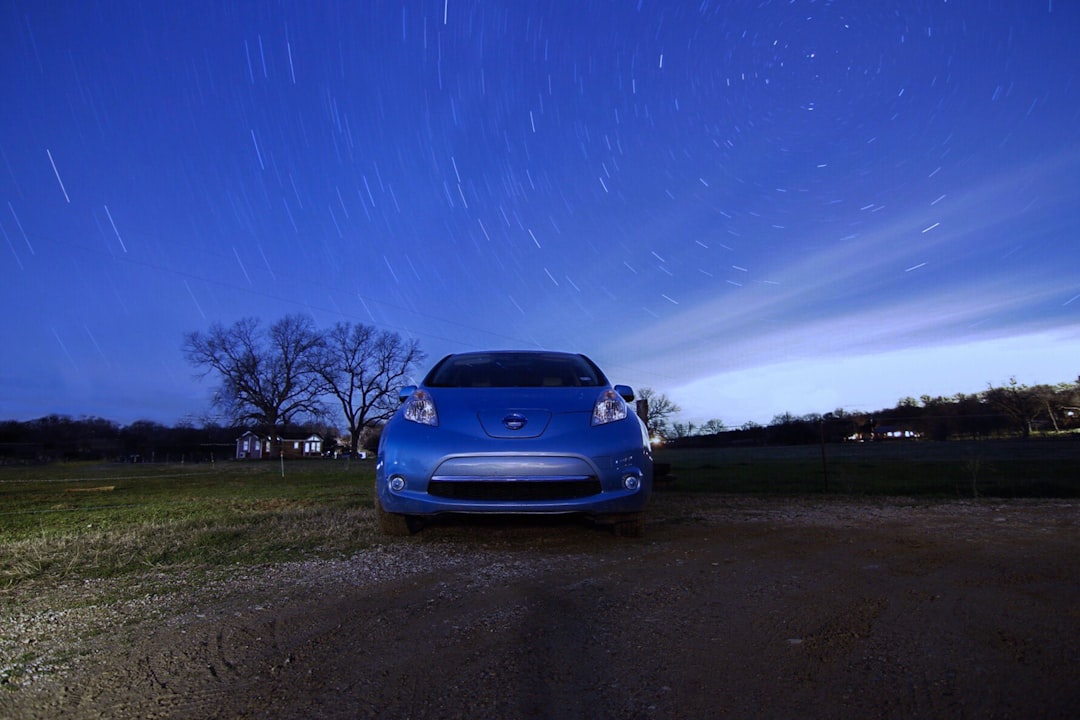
[[394, 524], [631, 525]]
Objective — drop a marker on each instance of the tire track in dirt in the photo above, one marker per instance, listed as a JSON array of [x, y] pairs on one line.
[[820, 612]]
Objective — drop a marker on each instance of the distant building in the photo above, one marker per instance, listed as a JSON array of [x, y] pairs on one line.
[[252, 446], [870, 432], [893, 432]]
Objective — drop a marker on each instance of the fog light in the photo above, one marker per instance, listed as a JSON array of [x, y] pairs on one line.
[[397, 483], [631, 482]]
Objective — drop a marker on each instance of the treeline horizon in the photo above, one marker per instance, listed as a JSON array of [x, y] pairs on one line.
[[61, 437], [1013, 410]]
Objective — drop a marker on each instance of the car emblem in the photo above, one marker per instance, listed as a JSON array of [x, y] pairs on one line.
[[514, 421]]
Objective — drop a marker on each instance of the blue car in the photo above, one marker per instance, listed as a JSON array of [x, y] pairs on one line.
[[514, 432]]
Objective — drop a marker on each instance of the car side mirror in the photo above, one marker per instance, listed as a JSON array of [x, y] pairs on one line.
[[404, 393], [626, 392]]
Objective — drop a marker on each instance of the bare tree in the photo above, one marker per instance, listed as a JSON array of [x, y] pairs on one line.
[[712, 426], [1022, 404], [784, 418], [267, 377], [682, 430], [362, 367], [660, 409]]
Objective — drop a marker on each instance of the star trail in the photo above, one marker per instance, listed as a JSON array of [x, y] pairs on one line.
[[753, 207]]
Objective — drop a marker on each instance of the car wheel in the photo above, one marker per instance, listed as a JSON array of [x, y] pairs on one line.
[[393, 523], [629, 525]]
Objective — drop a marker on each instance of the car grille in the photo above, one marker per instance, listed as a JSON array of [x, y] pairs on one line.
[[514, 491]]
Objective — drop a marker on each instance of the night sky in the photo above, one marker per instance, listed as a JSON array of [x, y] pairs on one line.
[[752, 207]]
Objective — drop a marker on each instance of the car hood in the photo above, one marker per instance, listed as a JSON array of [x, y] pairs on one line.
[[509, 412]]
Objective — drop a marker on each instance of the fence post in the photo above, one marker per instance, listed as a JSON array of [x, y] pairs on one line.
[[824, 461]]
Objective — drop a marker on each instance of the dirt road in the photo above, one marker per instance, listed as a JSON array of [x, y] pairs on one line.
[[742, 608]]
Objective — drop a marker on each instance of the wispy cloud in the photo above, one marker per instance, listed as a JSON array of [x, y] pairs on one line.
[[889, 288]]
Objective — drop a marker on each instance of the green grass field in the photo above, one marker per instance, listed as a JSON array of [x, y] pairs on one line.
[[101, 520], [86, 520]]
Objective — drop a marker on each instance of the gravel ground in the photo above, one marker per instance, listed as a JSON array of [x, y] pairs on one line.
[[737, 607]]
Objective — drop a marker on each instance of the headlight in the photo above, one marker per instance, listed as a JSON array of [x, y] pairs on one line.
[[609, 407], [420, 408]]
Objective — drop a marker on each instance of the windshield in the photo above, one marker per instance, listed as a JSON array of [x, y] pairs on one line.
[[515, 369]]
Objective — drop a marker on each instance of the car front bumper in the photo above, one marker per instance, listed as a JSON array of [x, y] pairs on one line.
[[418, 473]]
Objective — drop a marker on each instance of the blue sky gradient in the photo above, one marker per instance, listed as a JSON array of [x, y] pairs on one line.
[[753, 207]]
